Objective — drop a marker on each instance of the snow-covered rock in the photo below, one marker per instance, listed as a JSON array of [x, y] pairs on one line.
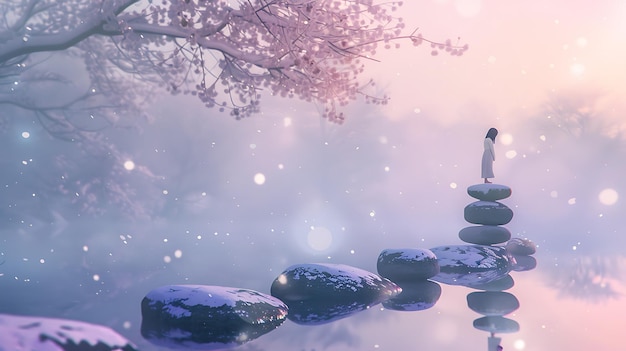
[[489, 192], [470, 264], [415, 296], [488, 213], [19, 333], [484, 234], [520, 246], [399, 265], [208, 317], [496, 324], [492, 303], [322, 292]]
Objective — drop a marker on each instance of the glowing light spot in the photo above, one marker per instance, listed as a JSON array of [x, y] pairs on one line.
[[96, 277], [554, 194], [282, 279], [519, 344], [42, 261], [571, 201], [372, 213], [574, 248], [126, 325], [387, 168], [129, 165], [542, 137], [167, 259], [468, 8], [259, 179], [287, 121], [178, 253], [281, 166], [577, 69], [417, 110], [352, 252], [85, 248], [510, 154], [252, 146], [319, 238], [453, 185], [165, 192], [25, 135], [608, 196], [506, 139]]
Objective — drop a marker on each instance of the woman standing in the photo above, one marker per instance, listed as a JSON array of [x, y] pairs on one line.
[[489, 155]]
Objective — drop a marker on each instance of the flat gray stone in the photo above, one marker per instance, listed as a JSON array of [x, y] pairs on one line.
[[400, 265], [488, 213], [485, 235], [496, 324], [503, 283], [492, 303], [489, 192], [523, 263]]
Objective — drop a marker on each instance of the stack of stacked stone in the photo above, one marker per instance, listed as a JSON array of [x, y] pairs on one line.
[[488, 213]]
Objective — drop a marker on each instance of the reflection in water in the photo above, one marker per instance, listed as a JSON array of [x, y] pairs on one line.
[[590, 278]]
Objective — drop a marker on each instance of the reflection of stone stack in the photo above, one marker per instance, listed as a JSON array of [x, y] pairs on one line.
[[488, 213]]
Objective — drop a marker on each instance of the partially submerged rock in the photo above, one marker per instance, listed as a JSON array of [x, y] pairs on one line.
[[521, 247], [208, 317], [320, 293], [51, 334], [399, 265]]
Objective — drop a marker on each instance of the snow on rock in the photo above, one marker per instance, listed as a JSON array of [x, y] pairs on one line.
[[415, 296], [208, 317], [471, 264], [485, 234], [19, 333], [489, 192], [488, 213], [407, 264], [492, 303], [322, 292]]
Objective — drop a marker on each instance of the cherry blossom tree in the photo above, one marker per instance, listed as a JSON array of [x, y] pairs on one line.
[[78, 67], [225, 54]]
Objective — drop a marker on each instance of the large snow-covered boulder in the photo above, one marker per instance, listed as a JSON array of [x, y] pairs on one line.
[[488, 213], [400, 265], [415, 296], [19, 333], [208, 317], [470, 264], [492, 303], [485, 234], [322, 292], [489, 192]]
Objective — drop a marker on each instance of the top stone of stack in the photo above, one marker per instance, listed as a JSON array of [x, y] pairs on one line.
[[489, 192]]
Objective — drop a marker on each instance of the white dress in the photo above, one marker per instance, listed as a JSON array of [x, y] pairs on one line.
[[489, 155]]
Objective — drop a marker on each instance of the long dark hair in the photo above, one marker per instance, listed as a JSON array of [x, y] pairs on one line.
[[491, 134]]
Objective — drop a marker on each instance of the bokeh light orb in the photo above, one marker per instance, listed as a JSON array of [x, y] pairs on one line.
[[129, 165], [25, 135], [319, 238], [259, 178], [608, 196]]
